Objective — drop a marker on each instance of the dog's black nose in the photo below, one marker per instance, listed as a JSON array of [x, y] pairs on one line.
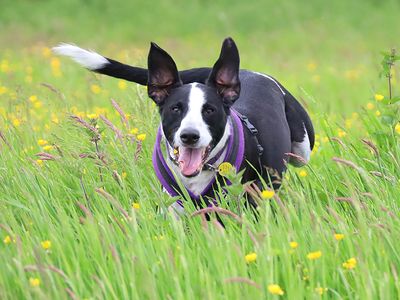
[[190, 136]]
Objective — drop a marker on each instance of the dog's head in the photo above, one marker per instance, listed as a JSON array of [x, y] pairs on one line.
[[194, 116]]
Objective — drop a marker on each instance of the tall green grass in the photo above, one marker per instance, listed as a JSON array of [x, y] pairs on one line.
[[103, 210]]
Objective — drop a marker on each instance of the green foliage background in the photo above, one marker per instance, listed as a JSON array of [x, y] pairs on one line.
[[326, 53]]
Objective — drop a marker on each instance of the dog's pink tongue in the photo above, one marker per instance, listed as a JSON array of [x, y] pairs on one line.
[[190, 160]]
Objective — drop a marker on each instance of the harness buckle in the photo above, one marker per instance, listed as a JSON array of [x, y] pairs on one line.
[[260, 150], [248, 125], [252, 129]]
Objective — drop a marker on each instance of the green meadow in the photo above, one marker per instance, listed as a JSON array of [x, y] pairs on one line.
[[82, 215]]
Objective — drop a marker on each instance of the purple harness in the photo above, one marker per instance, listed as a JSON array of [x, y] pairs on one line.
[[234, 155]]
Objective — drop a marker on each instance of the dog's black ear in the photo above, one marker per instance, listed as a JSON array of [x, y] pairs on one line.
[[163, 74], [225, 73]]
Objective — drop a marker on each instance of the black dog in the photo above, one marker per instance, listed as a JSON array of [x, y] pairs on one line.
[[210, 116]]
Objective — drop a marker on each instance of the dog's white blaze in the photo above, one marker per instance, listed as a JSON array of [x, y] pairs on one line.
[[270, 78], [89, 59], [198, 183], [301, 149], [194, 118]]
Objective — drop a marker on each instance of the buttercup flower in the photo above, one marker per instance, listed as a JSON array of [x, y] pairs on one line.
[[47, 147], [303, 173], [350, 263], [338, 236], [397, 128], [341, 133], [7, 240], [293, 245], [275, 289], [92, 116], [3, 90], [141, 137], [16, 122], [314, 255], [320, 290], [95, 89], [46, 245], [135, 205], [42, 142], [267, 194], [122, 84], [379, 97], [34, 282], [251, 257]]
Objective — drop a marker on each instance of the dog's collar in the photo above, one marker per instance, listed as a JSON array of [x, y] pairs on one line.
[[234, 153]]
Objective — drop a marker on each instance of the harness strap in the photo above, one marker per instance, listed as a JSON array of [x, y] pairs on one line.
[[254, 132]]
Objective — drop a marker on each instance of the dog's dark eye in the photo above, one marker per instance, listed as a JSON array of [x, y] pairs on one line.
[[208, 110], [176, 108]]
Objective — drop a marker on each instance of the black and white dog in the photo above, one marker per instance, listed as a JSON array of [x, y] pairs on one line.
[[214, 115]]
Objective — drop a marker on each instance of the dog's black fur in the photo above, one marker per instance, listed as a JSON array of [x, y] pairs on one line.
[[282, 122]]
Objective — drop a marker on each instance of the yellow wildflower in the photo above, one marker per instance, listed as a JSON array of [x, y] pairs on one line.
[[370, 106], [303, 173], [92, 116], [293, 245], [267, 194], [341, 133], [4, 66], [34, 282], [275, 289], [47, 147], [379, 97], [54, 119], [350, 263], [55, 63], [134, 130], [251, 257], [141, 137], [37, 104], [42, 142], [122, 84], [39, 162], [224, 169], [33, 98], [397, 128], [135, 205], [16, 122], [7, 240], [95, 89], [320, 290], [3, 90], [378, 113], [123, 175], [339, 236], [314, 255], [46, 245]]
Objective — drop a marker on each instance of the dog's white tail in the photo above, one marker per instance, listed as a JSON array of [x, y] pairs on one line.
[[89, 59]]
